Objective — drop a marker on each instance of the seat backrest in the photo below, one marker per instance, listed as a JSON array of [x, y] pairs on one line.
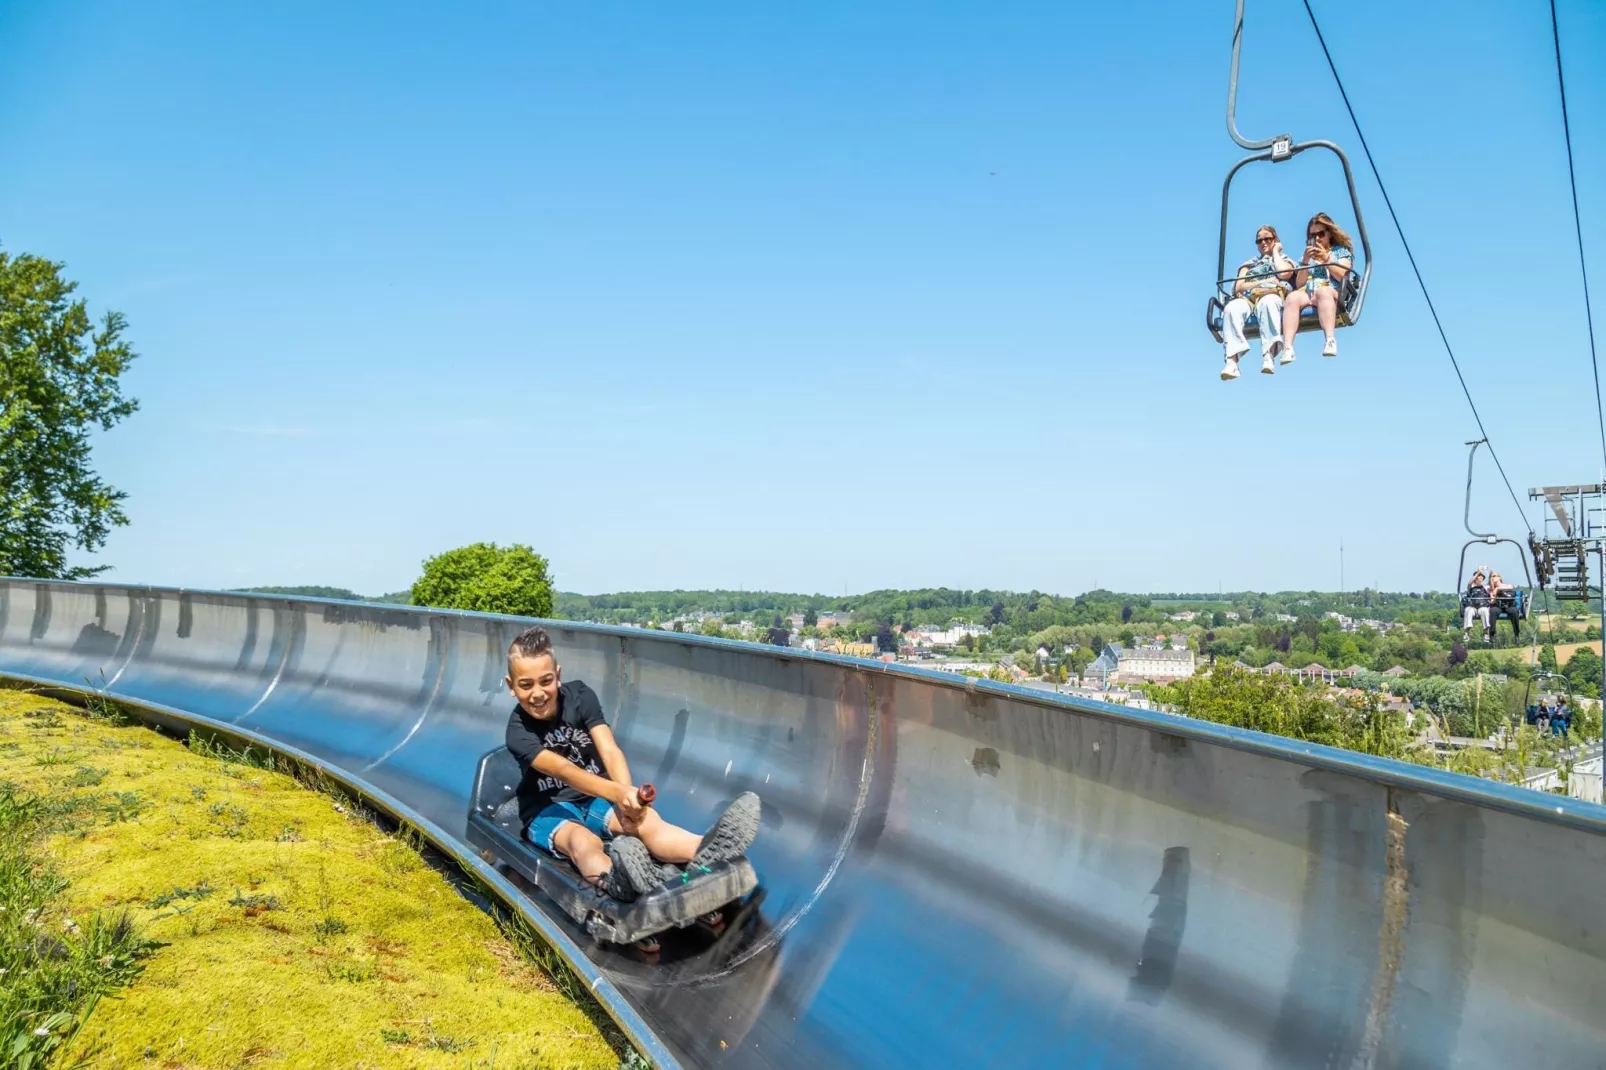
[[497, 780]]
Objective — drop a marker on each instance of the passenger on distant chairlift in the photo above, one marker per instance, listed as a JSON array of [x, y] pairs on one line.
[[1262, 285], [1506, 601], [1330, 251], [1475, 604]]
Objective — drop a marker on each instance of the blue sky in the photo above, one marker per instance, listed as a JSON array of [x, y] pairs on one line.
[[814, 297]]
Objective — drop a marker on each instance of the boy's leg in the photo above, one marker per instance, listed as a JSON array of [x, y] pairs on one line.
[[583, 848], [668, 843]]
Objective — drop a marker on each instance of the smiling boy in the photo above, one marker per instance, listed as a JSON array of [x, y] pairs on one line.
[[577, 784]]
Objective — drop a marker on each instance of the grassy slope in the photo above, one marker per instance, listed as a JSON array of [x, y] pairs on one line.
[[298, 935]]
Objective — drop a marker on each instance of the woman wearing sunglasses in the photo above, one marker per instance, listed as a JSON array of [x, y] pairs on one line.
[[1329, 256], [1261, 285]]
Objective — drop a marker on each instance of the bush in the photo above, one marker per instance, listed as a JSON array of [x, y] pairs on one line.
[[487, 578]]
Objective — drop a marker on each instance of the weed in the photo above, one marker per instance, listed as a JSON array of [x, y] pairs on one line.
[[45, 718], [213, 747], [634, 1060], [198, 794], [56, 756], [85, 777], [97, 707], [124, 806], [395, 1036], [352, 971], [450, 1045], [200, 891], [257, 902], [329, 927], [289, 834], [10, 747]]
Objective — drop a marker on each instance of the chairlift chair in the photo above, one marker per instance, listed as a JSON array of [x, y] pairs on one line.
[[1525, 597], [1279, 149]]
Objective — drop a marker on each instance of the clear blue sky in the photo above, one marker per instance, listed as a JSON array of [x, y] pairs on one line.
[[807, 297]]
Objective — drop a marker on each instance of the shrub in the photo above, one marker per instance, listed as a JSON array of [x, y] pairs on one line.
[[486, 578]]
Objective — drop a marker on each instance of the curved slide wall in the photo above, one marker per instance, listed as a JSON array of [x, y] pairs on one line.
[[956, 873]]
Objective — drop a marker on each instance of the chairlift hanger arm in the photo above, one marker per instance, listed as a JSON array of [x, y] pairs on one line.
[[1466, 517], [1281, 141]]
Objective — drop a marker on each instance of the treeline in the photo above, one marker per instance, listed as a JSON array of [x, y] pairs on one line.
[[1363, 722]]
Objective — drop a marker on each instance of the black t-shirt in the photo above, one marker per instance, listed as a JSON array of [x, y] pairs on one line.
[[567, 735]]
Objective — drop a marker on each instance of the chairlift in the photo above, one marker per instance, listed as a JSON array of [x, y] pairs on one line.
[[1525, 599], [1280, 149]]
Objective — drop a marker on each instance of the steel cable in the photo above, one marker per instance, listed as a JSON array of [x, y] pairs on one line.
[[1370, 162], [1578, 228]]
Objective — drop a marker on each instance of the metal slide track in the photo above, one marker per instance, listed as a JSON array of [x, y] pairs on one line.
[[956, 873]]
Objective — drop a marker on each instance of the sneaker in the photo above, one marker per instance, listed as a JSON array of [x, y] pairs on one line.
[[1267, 367], [732, 834], [1287, 355], [1331, 348], [1231, 370], [635, 864]]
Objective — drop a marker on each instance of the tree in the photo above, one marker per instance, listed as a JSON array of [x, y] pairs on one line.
[[1547, 658], [811, 619], [1458, 654], [967, 641], [1126, 614], [58, 379], [487, 578], [885, 641], [995, 615]]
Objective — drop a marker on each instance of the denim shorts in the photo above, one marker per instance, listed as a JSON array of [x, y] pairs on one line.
[[591, 814]]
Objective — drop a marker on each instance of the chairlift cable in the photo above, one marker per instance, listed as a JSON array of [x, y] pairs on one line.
[[1421, 283], [1578, 227]]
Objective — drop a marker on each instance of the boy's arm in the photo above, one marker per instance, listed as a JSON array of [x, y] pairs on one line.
[[613, 760], [551, 763]]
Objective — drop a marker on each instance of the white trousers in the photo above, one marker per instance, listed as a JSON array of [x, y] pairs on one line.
[[1269, 310], [1468, 613]]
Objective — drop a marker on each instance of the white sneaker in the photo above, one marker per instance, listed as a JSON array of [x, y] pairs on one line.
[[1267, 367], [1231, 370], [1287, 355], [1331, 348]]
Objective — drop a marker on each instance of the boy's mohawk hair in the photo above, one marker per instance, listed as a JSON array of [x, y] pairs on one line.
[[532, 642]]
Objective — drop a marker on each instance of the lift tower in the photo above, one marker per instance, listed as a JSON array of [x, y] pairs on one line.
[[1573, 532]]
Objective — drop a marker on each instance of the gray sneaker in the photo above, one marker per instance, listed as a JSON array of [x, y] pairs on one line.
[[732, 834], [634, 864]]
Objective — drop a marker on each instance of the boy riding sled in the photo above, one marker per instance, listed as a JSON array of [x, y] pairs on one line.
[[577, 784]]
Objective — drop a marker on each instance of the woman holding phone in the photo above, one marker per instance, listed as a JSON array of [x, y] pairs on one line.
[[1329, 256]]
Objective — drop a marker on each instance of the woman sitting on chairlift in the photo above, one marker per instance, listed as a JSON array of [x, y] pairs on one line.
[[1475, 604], [1504, 603], [1261, 286], [1328, 251]]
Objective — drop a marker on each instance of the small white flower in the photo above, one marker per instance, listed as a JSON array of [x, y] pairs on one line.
[[41, 1032]]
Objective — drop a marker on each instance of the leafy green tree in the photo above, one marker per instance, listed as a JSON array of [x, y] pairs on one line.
[[1547, 658], [811, 619], [58, 380], [487, 578], [886, 642], [1126, 614]]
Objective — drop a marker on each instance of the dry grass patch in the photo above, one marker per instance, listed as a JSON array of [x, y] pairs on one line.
[[297, 932]]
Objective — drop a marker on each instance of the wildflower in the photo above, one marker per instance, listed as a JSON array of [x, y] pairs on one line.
[[42, 1031]]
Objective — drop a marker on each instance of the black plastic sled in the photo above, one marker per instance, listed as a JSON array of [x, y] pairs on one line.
[[494, 827]]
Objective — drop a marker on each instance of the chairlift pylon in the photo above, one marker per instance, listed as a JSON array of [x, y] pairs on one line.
[[1279, 149]]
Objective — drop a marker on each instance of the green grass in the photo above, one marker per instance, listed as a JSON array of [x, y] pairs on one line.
[[53, 967], [295, 928]]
